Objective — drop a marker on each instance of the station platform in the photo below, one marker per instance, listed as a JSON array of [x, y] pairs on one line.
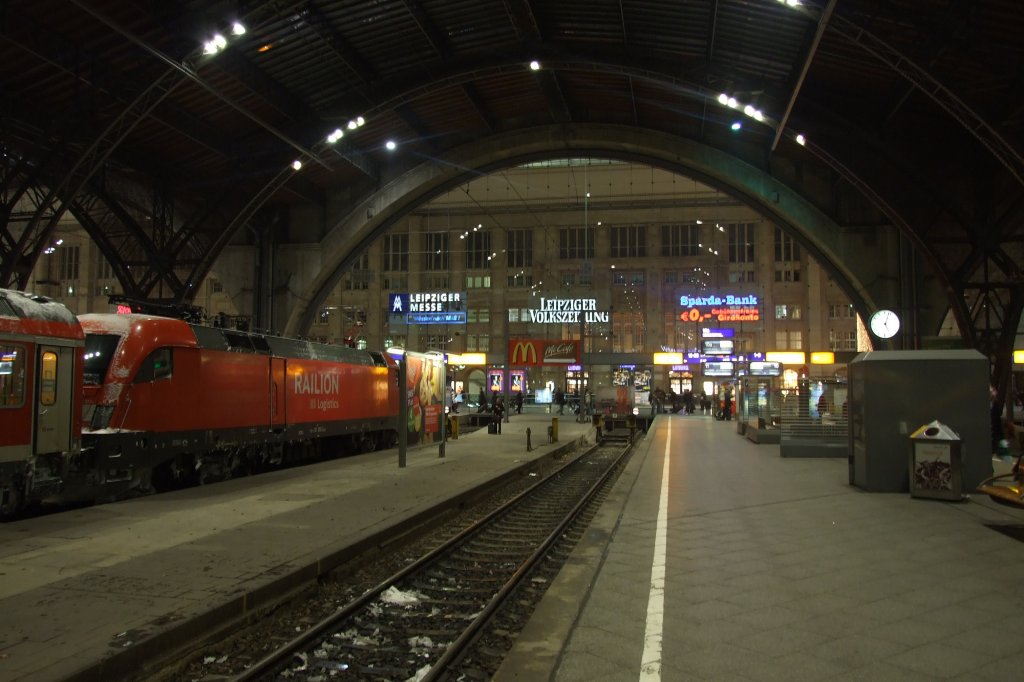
[[91, 594], [716, 559]]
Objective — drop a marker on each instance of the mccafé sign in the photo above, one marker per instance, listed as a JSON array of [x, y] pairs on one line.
[[567, 311], [523, 352]]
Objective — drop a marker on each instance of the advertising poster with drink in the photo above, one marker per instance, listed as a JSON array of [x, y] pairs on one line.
[[425, 397]]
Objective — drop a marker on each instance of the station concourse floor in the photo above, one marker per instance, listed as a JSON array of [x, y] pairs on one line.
[[776, 569], [91, 594]]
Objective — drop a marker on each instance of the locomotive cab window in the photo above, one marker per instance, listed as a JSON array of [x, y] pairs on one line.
[[12, 375], [48, 378], [99, 351], [156, 366]]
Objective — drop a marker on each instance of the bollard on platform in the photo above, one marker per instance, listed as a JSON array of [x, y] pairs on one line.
[[529, 446]]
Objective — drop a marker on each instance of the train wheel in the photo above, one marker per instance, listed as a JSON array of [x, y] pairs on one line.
[[366, 443]]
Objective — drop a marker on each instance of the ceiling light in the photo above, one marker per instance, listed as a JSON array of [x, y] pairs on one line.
[[238, 28], [265, 47], [736, 125], [296, 164], [723, 99], [209, 47], [336, 135], [732, 103], [360, 121], [220, 41], [534, 65], [390, 144], [352, 125], [700, 222], [801, 140]]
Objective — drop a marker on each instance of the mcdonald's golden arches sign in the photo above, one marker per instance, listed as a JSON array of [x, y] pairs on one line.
[[524, 352]]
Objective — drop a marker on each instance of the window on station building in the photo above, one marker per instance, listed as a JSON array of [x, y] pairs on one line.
[[478, 250], [395, 282], [520, 248], [786, 248], [68, 262], [359, 275], [478, 342], [741, 242], [840, 311], [478, 281], [628, 241], [679, 240], [839, 339], [104, 270], [575, 243], [478, 315], [791, 339], [787, 275], [787, 311], [567, 278], [739, 276], [520, 280], [436, 282], [435, 251], [396, 253]]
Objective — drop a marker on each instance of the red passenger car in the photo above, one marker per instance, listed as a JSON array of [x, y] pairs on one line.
[[168, 402], [40, 397]]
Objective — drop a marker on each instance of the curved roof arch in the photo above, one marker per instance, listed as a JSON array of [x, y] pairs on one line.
[[863, 275]]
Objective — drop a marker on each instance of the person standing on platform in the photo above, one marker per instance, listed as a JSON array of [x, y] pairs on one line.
[[498, 410], [482, 399], [560, 399], [519, 402]]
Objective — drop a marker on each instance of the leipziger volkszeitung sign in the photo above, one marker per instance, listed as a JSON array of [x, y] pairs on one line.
[[567, 311]]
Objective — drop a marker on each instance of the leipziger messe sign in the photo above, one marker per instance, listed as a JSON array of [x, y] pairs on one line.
[[428, 307]]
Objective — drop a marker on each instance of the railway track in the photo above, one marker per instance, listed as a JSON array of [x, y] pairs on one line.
[[453, 613]]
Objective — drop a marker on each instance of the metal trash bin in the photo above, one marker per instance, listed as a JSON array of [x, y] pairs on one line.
[[492, 427], [936, 463]]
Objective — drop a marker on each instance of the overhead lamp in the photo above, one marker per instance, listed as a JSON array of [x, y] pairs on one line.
[[390, 144], [800, 139], [238, 28], [296, 164], [209, 47], [220, 41], [360, 121], [700, 222], [352, 125], [534, 65], [736, 125], [336, 135]]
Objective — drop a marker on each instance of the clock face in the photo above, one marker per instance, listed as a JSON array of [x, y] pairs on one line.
[[885, 324]]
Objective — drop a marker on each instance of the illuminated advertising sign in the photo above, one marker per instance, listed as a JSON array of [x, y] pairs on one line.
[[718, 368], [518, 380], [765, 369], [540, 352], [717, 346], [567, 311], [495, 380], [728, 308], [727, 333], [428, 307]]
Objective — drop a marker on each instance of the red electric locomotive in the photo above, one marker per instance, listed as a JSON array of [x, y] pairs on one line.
[[40, 397], [169, 403]]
